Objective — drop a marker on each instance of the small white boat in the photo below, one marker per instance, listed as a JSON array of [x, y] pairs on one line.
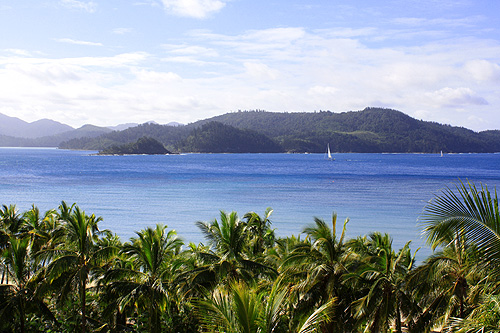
[[328, 153]]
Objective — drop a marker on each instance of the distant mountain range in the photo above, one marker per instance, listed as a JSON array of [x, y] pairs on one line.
[[15, 132], [369, 130], [12, 126]]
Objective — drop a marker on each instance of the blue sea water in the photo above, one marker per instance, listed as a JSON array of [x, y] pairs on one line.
[[377, 192]]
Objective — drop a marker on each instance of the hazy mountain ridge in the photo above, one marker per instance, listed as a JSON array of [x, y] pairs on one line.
[[369, 130], [15, 127], [89, 131]]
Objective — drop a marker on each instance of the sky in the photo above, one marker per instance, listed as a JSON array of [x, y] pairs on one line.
[[108, 62]]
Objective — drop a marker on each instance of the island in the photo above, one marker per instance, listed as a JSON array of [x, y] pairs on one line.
[[143, 146]]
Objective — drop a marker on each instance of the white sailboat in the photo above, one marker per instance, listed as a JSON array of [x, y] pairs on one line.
[[441, 153], [328, 153]]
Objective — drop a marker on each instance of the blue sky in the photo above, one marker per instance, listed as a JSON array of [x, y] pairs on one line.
[[115, 61]]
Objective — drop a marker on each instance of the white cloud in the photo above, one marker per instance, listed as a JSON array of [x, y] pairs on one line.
[[194, 8], [483, 70], [192, 50], [281, 69], [77, 42], [122, 31], [89, 6], [322, 91], [18, 52], [260, 71], [420, 21], [457, 97]]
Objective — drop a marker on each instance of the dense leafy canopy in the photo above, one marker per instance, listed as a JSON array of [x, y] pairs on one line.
[[60, 273], [370, 130]]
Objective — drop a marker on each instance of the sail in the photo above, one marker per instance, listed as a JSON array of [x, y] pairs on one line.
[[329, 153]]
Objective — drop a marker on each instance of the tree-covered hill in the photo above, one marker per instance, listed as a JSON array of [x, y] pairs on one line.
[[144, 145], [369, 130], [215, 137], [168, 135]]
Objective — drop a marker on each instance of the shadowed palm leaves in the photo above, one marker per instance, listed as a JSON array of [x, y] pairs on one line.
[[384, 272], [242, 309], [44, 230], [463, 222], [145, 283], [483, 319], [229, 259], [319, 265], [260, 230], [446, 284], [78, 258], [471, 216], [19, 297]]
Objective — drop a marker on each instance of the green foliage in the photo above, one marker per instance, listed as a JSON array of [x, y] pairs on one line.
[[143, 145], [61, 273], [371, 130], [215, 137]]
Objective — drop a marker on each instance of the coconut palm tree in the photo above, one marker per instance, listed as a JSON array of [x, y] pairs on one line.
[[146, 282], [464, 221], [77, 259], [260, 230], [384, 273], [44, 230], [229, 257], [317, 266], [469, 215], [243, 309], [447, 284], [19, 297], [485, 318], [10, 219]]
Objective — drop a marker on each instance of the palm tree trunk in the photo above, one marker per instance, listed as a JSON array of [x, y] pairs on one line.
[[398, 319], [120, 320], [21, 315], [83, 301]]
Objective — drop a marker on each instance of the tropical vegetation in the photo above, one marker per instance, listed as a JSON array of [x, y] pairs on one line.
[[60, 272], [371, 130]]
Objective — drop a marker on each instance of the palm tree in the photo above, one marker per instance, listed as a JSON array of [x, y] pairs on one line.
[[446, 284], [464, 222], [260, 230], [470, 216], [384, 273], [44, 230], [228, 258], [78, 258], [10, 219], [319, 264], [20, 296], [145, 283], [485, 318], [243, 309]]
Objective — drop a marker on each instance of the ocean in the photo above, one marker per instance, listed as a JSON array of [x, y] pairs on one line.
[[377, 192]]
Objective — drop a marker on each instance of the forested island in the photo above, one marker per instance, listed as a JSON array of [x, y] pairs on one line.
[[61, 273], [143, 146], [373, 130]]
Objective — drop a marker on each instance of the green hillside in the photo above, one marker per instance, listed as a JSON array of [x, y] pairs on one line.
[[88, 132], [369, 130], [215, 137], [144, 145]]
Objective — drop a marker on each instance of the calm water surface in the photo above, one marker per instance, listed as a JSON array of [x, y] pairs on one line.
[[378, 192]]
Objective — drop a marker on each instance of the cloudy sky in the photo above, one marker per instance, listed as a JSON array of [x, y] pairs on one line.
[[108, 62]]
